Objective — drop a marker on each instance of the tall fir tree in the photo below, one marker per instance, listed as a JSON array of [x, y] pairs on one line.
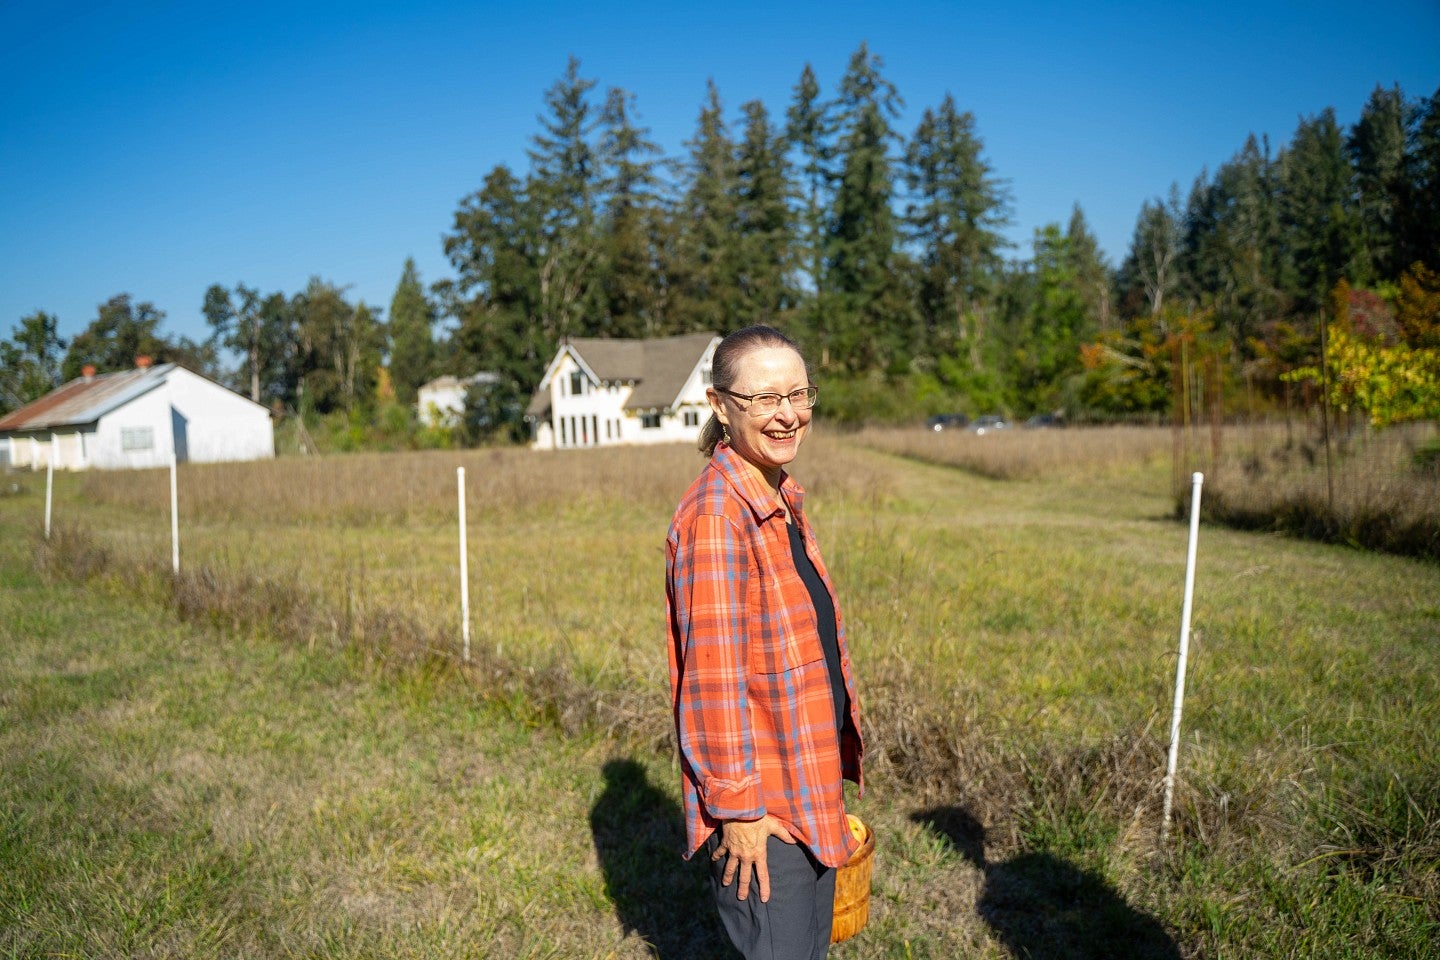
[[632, 270], [1376, 150], [809, 133], [955, 212], [870, 310], [1420, 223], [413, 351], [563, 185], [707, 266], [1319, 232], [762, 220], [494, 249], [1093, 279]]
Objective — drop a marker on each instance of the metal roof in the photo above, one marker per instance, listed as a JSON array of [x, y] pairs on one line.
[[85, 399]]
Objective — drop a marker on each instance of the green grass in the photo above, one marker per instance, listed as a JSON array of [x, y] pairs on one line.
[[1014, 641]]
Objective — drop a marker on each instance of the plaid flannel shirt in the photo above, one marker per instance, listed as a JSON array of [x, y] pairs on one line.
[[751, 691]]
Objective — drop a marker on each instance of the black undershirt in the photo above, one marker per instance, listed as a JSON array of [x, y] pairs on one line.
[[824, 620]]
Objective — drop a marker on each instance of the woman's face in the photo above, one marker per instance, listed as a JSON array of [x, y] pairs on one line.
[[772, 441]]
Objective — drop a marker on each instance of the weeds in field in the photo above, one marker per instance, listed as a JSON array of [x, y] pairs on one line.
[[1026, 453], [1010, 639], [1377, 489]]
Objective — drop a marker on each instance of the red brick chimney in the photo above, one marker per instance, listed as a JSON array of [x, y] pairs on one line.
[[143, 361], [88, 371]]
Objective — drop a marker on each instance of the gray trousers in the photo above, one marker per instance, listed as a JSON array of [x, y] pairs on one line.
[[795, 924]]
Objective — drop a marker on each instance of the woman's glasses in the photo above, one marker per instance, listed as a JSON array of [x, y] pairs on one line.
[[764, 404]]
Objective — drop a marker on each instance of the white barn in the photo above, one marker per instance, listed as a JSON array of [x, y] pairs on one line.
[[600, 393], [136, 418]]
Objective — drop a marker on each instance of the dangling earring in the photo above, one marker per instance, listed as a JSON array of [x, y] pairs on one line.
[[724, 433]]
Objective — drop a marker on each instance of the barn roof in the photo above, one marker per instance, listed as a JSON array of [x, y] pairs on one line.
[[85, 399], [658, 367]]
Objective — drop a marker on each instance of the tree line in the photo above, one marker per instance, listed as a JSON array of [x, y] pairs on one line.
[[881, 250]]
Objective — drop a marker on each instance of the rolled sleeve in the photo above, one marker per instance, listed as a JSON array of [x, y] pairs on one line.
[[710, 574]]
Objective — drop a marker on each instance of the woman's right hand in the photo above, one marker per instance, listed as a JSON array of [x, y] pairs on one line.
[[744, 841]]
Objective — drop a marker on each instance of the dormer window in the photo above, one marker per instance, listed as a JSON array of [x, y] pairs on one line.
[[577, 383]]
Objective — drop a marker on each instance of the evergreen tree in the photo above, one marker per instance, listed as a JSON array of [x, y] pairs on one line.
[[1231, 259], [762, 220], [955, 212], [631, 190], [1376, 149], [563, 186], [1093, 280], [1047, 354], [707, 268], [413, 354], [1420, 224], [809, 128], [1319, 233], [496, 296], [869, 310]]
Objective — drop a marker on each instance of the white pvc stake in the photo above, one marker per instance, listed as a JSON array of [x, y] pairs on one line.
[[1196, 480], [49, 487], [464, 566], [174, 519]]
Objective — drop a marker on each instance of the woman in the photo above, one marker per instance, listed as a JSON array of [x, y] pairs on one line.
[[765, 709]]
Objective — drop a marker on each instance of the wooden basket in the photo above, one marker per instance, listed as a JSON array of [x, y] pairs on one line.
[[852, 886]]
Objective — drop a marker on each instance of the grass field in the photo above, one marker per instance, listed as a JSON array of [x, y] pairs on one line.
[[304, 768]]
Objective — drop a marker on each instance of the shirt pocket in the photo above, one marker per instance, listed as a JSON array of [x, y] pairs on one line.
[[785, 637]]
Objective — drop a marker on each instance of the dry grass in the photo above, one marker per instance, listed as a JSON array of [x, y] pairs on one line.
[[1374, 492], [1024, 453], [1013, 641]]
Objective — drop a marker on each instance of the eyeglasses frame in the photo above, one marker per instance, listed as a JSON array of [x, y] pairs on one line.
[[812, 392]]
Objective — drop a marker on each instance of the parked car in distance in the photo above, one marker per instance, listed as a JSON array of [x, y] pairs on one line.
[[947, 421], [1045, 420], [988, 424]]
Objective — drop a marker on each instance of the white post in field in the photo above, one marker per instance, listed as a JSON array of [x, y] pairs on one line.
[[464, 566], [49, 485], [1195, 481], [174, 519]]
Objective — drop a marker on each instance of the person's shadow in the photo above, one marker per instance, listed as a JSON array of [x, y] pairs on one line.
[[639, 836], [1042, 907]]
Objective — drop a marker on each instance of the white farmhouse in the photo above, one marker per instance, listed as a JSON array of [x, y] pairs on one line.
[[441, 402], [136, 418], [600, 393]]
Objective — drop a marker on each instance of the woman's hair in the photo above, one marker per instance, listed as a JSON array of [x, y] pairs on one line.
[[726, 365]]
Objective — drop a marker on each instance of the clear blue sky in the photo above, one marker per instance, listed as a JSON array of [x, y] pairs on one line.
[[157, 148]]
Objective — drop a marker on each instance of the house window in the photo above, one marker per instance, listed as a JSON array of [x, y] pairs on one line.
[[650, 421], [692, 418], [577, 382], [137, 438], [564, 434], [705, 376]]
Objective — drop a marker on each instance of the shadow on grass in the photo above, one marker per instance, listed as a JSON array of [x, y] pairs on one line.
[[1042, 907], [639, 835]]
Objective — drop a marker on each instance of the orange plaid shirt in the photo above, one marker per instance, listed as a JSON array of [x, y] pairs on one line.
[[753, 708]]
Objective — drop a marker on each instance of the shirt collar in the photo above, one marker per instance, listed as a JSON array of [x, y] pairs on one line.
[[752, 489]]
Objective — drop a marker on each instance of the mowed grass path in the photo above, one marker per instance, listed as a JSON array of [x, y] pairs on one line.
[[1024, 615]]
